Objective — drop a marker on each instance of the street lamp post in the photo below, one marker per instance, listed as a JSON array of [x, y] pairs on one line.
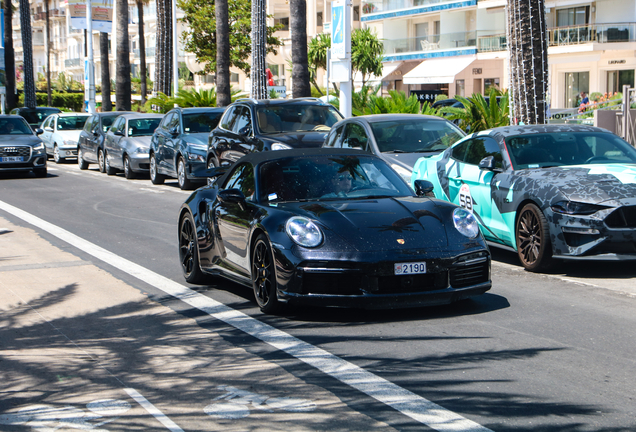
[[89, 66]]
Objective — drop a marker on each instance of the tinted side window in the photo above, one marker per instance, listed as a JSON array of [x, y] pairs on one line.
[[459, 151], [88, 126], [243, 179], [47, 123], [118, 125], [166, 121], [228, 118], [175, 121], [334, 138], [242, 121], [479, 148], [355, 136]]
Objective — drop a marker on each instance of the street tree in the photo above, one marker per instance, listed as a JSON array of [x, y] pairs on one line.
[[27, 52], [298, 29], [9, 55], [366, 53], [107, 105], [122, 76], [317, 56], [201, 37], [163, 50], [223, 91], [528, 54]]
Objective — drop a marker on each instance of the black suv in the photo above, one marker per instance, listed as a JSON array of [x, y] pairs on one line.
[[90, 147], [250, 125], [35, 116]]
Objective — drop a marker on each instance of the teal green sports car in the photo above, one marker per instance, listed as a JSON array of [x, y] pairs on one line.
[[547, 192]]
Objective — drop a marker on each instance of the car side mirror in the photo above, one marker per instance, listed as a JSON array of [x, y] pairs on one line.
[[245, 131], [232, 195], [118, 133], [489, 164], [174, 130], [423, 187], [39, 131]]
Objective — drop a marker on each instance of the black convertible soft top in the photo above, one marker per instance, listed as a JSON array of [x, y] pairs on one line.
[[258, 157]]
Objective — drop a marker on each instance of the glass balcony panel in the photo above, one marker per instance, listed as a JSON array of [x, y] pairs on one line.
[[375, 6]]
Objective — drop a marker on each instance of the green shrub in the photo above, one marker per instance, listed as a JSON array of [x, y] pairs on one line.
[[64, 101]]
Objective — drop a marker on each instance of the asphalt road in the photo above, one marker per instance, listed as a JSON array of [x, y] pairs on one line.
[[86, 345]]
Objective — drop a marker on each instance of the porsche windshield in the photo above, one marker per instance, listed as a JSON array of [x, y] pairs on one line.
[[568, 148], [415, 135], [296, 118], [329, 177]]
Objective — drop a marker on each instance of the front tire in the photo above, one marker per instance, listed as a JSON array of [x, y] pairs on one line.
[[101, 160], [211, 164], [189, 251], [107, 168], [83, 165], [128, 172], [155, 177], [56, 155], [264, 276], [182, 178], [533, 239]]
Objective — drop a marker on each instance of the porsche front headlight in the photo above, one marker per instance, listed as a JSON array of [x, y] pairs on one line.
[[303, 231], [465, 222]]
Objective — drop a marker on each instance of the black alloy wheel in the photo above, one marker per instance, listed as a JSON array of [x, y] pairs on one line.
[[533, 239], [80, 159], [182, 178], [189, 251], [128, 172], [264, 276], [155, 177], [101, 161]]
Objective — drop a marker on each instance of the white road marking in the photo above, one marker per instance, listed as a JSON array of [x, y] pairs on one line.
[[169, 424], [382, 390]]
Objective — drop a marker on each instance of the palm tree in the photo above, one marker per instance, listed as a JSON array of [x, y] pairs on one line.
[[47, 49], [222, 53], [300, 68], [259, 48], [163, 50], [122, 77], [27, 46], [142, 49], [107, 105], [9, 55], [528, 52]]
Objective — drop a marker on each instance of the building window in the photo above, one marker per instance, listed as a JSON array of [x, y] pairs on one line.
[[617, 79], [575, 83], [282, 21], [460, 88], [490, 83], [319, 19], [573, 16], [234, 77], [356, 13]]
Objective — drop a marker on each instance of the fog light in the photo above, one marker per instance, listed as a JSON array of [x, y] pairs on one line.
[[572, 230]]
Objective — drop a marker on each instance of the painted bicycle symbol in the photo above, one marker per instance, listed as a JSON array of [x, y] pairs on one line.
[[235, 404], [47, 418]]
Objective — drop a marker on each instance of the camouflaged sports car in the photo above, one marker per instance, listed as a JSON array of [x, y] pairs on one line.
[[330, 227], [547, 192]]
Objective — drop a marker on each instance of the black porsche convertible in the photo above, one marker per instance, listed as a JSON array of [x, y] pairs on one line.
[[333, 228]]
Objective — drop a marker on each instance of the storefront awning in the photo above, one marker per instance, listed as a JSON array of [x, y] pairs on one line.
[[388, 69], [438, 71]]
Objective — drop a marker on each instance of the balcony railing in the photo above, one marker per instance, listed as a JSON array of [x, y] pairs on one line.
[[430, 43], [150, 52], [375, 6], [572, 35], [70, 63]]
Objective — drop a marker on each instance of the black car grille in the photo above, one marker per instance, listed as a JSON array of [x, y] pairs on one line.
[[9, 151], [355, 283], [467, 275], [332, 283], [622, 217]]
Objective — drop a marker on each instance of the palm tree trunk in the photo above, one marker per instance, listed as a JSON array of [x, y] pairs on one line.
[[300, 68], [142, 52], [9, 56], [49, 99], [259, 46], [122, 74], [528, 53], [223, 92], [163, 53], [107, 105], [30, 100]]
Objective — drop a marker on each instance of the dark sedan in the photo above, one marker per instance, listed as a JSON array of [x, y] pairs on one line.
[[20, 148], [179, 145], [548, 191], [399, 139], [128, 143], [330, 227], [90, 148], [35, 116]]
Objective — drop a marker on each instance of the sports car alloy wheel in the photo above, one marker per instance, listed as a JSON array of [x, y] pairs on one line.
[[263, 276], [533, 239], [155, 177], [184, 182], [101, 162], [80, 160], [188, 252], [128, 172], [56, 155]]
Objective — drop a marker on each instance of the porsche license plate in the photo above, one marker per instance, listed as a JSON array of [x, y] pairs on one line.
[[409, 268], [12, 159]]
